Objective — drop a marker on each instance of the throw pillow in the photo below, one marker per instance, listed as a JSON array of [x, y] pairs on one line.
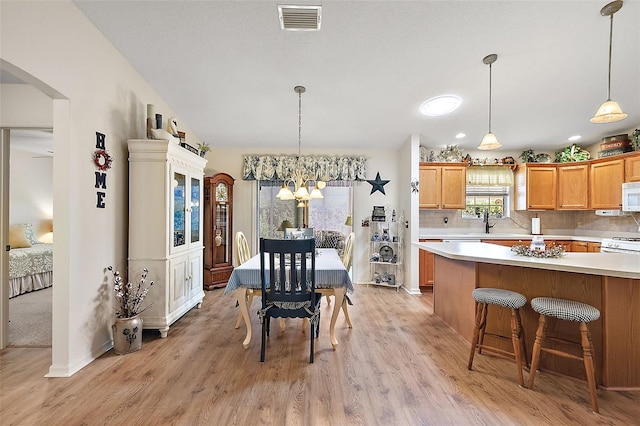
[[17, 237], [30, 233]]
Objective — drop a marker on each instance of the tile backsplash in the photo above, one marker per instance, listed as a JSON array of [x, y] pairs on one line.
[[576, 222]]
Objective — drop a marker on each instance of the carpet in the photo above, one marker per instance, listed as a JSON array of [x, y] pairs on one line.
[[30, 318]]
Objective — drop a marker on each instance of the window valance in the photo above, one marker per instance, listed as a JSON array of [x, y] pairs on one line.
[[317, 167], [490, 175]]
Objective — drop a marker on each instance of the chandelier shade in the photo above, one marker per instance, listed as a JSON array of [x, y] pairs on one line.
[[609, 111], [489, 141]]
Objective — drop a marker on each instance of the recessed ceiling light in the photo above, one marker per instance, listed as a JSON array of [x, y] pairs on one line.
[[460, 135], [440, 105], [574, 137]]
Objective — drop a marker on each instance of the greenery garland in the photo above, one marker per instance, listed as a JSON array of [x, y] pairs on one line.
[[552, 252]]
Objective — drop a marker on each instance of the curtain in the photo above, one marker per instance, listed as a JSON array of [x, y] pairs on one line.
[[317, 167], [490, 176]]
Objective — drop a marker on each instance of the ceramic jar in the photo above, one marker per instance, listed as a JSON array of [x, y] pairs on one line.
[[127, 335]]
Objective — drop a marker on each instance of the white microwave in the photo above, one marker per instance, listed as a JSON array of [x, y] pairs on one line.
[[631, 197]]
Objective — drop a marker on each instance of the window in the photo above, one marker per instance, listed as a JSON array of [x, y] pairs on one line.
[[328, 213], [495, 199]]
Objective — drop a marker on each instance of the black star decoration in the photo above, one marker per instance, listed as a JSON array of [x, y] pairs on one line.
[[378, 184]]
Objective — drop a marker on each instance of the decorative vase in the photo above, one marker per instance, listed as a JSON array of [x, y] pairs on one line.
[[202, 154], [127, 335]]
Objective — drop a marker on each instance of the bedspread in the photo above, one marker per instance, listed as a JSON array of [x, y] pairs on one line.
[[29, 261]]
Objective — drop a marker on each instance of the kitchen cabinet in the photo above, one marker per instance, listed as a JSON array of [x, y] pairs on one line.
[[580, 246], [426, 269], [165, 232], [605, 183], [632, 168], [218, 228], [573, 186], [566, 245], [536, 187], [442, 186], [593, 247]]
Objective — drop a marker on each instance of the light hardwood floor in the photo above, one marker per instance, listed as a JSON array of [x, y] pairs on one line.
[[399, 365]]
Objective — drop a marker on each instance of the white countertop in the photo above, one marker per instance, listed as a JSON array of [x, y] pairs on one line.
[[606, 264]]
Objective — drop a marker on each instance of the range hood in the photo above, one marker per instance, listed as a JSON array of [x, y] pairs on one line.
[[611, 213]]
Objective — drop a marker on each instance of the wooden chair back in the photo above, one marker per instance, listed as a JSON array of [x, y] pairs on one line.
[[347, 256], [242, 248]]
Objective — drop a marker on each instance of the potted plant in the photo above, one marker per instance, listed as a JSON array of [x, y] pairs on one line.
[[204, 148], [127, 330]]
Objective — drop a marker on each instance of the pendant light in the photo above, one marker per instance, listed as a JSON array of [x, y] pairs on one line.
[[489, 141], [609, 111]]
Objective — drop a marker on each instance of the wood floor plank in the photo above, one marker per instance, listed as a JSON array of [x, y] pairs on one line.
[[399, 365]]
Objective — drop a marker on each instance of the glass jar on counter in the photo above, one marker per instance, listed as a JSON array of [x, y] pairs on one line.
[[537, 243]]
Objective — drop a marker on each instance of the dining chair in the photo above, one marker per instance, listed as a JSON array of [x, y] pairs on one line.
[[287, 274], [347, 259], [243, 254]]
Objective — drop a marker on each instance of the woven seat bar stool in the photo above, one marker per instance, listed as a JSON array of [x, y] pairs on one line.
[[507, 299], [567, 310]]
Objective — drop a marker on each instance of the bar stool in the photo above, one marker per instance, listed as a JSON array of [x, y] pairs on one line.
[[508, 299], [567, 310]]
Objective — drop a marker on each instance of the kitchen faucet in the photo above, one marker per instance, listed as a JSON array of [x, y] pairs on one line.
[[485, 220]]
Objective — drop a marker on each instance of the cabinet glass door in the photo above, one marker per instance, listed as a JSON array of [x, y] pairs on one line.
[[195, 210], [179, 200], [222, 231]]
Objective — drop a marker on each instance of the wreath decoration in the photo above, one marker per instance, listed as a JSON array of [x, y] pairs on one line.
[[102, 159]]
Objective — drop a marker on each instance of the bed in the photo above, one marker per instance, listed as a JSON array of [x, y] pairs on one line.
[[30, 265]]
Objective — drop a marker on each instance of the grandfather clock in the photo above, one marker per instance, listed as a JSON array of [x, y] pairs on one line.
[[218, 228]]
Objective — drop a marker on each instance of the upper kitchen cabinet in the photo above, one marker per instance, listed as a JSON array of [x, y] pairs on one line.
[[573, 186], [442, 185], [536, 187], [632, 168], [605, 183]]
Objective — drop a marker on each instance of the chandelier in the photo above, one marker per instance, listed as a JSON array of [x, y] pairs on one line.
[[305, 187]]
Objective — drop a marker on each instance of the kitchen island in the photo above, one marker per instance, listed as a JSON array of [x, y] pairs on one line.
[[607, 281]]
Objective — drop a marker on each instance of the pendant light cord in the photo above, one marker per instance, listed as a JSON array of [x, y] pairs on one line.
[[610, 49], [300, 118], [490, 65]]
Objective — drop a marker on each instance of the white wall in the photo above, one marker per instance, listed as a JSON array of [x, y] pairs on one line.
[[23, 105], [388, 163], [31, 189], [96, 90]]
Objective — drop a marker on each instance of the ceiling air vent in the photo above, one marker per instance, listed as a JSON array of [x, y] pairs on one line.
[[300, 18]]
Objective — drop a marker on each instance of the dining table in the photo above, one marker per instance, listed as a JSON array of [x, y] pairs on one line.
[[331, 279]]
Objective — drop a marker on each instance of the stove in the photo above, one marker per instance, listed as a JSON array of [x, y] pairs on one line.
[[621, 245]]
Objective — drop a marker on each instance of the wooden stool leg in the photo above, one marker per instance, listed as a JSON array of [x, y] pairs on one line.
[[522, 341], [588, 364], [481, 314], [517, 343], [535, 360], [483, 325]]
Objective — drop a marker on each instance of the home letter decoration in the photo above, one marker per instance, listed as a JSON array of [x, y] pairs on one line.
[[102, 161]]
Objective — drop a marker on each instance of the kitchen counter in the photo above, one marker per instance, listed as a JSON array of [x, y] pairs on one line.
[[608, 281], [610, 264]]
